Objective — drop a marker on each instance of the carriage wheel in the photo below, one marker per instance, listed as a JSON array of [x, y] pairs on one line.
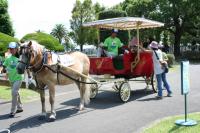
[[124, 91], [154, 83], [93, 91]]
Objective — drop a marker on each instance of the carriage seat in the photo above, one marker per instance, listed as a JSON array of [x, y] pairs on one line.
[[118, 62]]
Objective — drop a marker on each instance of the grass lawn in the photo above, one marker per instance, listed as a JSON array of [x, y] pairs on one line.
[[168, 125], [26, 94]]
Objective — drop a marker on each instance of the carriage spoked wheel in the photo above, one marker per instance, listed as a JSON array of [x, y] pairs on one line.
[[154, 83], [93, 90], [124, 91]]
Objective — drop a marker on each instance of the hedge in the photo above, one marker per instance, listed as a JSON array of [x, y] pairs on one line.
[[4, 41], [47, 40]]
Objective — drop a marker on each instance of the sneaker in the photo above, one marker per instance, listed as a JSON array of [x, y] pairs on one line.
[[19, 110], [159, 97], [11, 115], [169, 95]]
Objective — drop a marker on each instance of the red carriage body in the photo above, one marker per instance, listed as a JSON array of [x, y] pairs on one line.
[[121, 65]]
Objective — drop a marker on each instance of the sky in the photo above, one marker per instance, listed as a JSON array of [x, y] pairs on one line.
[[29, 16]]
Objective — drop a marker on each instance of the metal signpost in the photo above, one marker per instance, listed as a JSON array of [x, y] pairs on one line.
[[185, 84]]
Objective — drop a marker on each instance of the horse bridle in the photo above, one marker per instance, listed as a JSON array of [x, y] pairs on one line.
[[29, 56], [28, 65]]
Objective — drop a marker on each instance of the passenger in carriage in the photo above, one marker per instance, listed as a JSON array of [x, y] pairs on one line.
[[110, 46], [133, 45]]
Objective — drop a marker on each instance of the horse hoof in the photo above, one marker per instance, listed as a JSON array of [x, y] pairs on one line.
[[52, 118], [81, 107]]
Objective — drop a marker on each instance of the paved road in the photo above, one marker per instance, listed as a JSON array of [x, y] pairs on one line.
[[105, 114]]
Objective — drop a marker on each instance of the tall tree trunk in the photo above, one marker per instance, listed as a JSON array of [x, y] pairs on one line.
[[177, 43], [81, 47]]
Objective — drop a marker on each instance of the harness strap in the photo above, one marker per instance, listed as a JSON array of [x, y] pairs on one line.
[[76, 80], [58, 69]]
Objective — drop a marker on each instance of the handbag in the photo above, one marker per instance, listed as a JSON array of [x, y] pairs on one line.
[[163, 64]]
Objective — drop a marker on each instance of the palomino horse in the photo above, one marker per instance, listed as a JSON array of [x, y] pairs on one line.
[[32, 56]]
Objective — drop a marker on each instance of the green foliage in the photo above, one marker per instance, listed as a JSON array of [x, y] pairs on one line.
[[59, 32], [47, 40], [5, 23], [191, 56], [104, 33], [171, 59], [83, 12], [180, 17], [4, 41]]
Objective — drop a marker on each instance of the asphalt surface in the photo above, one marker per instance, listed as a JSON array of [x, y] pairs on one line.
[[105, 114]]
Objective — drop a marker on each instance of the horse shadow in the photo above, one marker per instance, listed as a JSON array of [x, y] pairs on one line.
[[36, 121], [105, 99]]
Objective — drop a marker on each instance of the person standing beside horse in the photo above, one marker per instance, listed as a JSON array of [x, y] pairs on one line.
[[15, 79]]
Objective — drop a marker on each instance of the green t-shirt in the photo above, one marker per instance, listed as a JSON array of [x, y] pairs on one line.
[[113, 44], [11, 64]]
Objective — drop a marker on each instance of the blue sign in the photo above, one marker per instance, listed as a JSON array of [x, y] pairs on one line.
[[185, 81]]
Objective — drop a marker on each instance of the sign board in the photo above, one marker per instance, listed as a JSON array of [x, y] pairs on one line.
[[185, 83]]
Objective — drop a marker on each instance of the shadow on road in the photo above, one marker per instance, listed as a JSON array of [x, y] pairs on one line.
[[138, 94], [107, 99], [103, 100], [35, 121]]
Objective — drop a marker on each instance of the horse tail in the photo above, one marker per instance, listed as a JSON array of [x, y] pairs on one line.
[[86, 95]]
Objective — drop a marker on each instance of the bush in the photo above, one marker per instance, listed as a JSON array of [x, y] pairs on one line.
[[4, 41], [104, 33], [191, 56], [47, 40], [171, 59]]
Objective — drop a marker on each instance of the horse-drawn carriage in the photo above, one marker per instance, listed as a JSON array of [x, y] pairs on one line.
[[125, 67], [46, 72]]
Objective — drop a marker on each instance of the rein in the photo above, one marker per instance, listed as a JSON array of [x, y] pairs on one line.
[[58, 71]]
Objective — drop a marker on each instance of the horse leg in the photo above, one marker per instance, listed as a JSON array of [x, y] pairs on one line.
[[84, 94], [81, 105], [42, 98], [52, 116]]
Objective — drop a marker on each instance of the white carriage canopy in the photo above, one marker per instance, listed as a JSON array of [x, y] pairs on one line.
[[124, 23]]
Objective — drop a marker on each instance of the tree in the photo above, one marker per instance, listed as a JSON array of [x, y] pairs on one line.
[[83, 12], [45, 39], [179, 16], [59, 32], [5, 23]]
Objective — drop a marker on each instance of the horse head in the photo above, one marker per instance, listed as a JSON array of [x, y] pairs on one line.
[[30, 55]]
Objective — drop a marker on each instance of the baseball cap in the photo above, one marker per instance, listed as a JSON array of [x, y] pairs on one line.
[[115, 31], [12, 45]]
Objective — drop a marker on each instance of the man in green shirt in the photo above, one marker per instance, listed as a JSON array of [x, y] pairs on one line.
[[111, 45], [15, 79]]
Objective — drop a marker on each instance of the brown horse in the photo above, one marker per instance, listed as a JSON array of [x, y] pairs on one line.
[[39, 61]]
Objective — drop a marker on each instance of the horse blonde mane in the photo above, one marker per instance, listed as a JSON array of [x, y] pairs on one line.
[[36, 46]]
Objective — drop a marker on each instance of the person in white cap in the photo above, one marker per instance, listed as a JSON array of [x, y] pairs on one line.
[[159, 71], [110, 46], [15, 79]]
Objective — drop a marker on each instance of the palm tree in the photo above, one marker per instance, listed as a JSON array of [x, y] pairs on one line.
[[60, 32]]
